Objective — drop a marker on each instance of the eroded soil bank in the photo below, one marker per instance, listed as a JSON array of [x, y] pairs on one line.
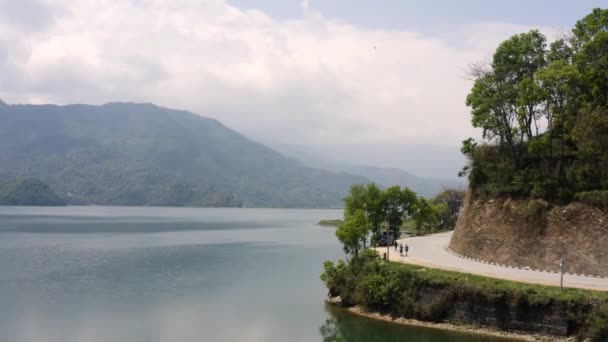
[[535, 234]]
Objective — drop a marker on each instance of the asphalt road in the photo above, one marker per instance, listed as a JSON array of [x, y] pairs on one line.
[[431, 251]]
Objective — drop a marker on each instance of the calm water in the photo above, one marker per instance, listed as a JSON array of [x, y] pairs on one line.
[[174, 274]]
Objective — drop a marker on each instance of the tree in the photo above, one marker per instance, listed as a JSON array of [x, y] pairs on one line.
[[374, 210], [396, 204], [424, 215], [544, 115], [586, 29], [353, 232], [355, 200], [367, 198], [447, 205], [590, 43], [496, 101]]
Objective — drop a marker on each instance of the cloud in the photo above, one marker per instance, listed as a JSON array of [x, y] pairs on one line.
[[312, 80]]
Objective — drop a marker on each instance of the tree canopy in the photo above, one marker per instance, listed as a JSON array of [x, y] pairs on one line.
[[369, 210], [543, 111]]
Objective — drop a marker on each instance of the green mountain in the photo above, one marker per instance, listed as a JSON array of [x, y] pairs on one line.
[[142, 154], [28, 192]]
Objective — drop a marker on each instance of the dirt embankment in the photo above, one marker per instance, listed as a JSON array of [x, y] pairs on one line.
[[533, 233]]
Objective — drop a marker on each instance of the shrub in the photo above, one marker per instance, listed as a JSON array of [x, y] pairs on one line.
[[598, 331], [597, 198]]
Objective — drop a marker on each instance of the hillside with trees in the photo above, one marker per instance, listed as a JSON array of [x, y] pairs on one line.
[[539, 179], [142, 154], [543, 109], [28, 192]]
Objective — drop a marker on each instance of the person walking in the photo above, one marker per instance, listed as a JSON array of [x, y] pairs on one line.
[[395, 243], [407, 248], [401, 250]]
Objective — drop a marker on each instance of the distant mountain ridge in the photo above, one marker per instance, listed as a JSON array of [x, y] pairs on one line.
[[383, 176], [142, 154]]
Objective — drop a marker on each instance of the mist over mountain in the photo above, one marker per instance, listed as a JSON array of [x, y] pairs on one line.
[[142, 154], [380, 164], [419, 160]]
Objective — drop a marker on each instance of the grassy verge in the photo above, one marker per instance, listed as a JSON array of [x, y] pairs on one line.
[[542, 293]]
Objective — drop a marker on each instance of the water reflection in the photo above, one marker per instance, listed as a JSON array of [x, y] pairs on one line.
[[346, 327], [166, 274]]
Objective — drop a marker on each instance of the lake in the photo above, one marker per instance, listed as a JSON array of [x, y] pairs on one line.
[[176, 274]]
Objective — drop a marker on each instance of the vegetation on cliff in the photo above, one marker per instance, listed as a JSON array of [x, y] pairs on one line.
[[544, 115], [415, 292], [28, 192]]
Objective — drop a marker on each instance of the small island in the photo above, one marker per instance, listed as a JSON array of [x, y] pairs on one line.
[[330, 223]]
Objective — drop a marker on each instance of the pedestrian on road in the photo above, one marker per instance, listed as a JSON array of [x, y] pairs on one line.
[[407, 248], [401, 250], [395, 243]]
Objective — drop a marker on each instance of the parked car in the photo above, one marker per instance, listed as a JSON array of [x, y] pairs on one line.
[[386, 239]]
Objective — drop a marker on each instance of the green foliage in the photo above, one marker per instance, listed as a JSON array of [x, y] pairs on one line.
[[410, 291], [598, 331], [425, 216], [28, 192], [535, 212], [353, 232], [544, 115], [141, 154], [395, 206], [595, 198], [447, 206]]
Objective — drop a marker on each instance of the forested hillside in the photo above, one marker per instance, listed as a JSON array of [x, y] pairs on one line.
[[28, 192], [142, 154]]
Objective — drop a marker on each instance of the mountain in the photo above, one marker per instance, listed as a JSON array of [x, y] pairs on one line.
[[383, 176], [142, 154], [427, 187], [28, 192], [421, 160]]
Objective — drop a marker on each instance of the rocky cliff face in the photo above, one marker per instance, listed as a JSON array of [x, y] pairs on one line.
[[533, 233]]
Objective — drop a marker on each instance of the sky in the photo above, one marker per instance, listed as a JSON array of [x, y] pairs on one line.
[[324, 73]]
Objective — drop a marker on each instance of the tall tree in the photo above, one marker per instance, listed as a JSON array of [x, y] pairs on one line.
[[397, 204], [374, 210], [590, 42], [495, 99], [353, 232]]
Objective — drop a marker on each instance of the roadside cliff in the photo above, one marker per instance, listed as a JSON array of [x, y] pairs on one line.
[[534, 233]]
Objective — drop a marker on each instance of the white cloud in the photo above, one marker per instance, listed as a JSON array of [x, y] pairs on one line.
[[312, 80]]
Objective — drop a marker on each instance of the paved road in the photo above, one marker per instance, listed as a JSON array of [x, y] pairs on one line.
[[430, 251]]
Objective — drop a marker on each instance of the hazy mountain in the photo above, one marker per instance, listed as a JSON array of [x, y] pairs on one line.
[[427, 187], [28, 192], [384, 176], [425, 161], [141, 154]]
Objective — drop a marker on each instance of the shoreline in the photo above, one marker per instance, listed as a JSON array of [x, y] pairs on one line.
[[465, 329]]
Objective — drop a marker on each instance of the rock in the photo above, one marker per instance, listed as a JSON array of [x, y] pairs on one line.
[[335, 301]]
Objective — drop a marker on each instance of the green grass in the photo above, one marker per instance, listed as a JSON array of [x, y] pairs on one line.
[[440, 277]]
